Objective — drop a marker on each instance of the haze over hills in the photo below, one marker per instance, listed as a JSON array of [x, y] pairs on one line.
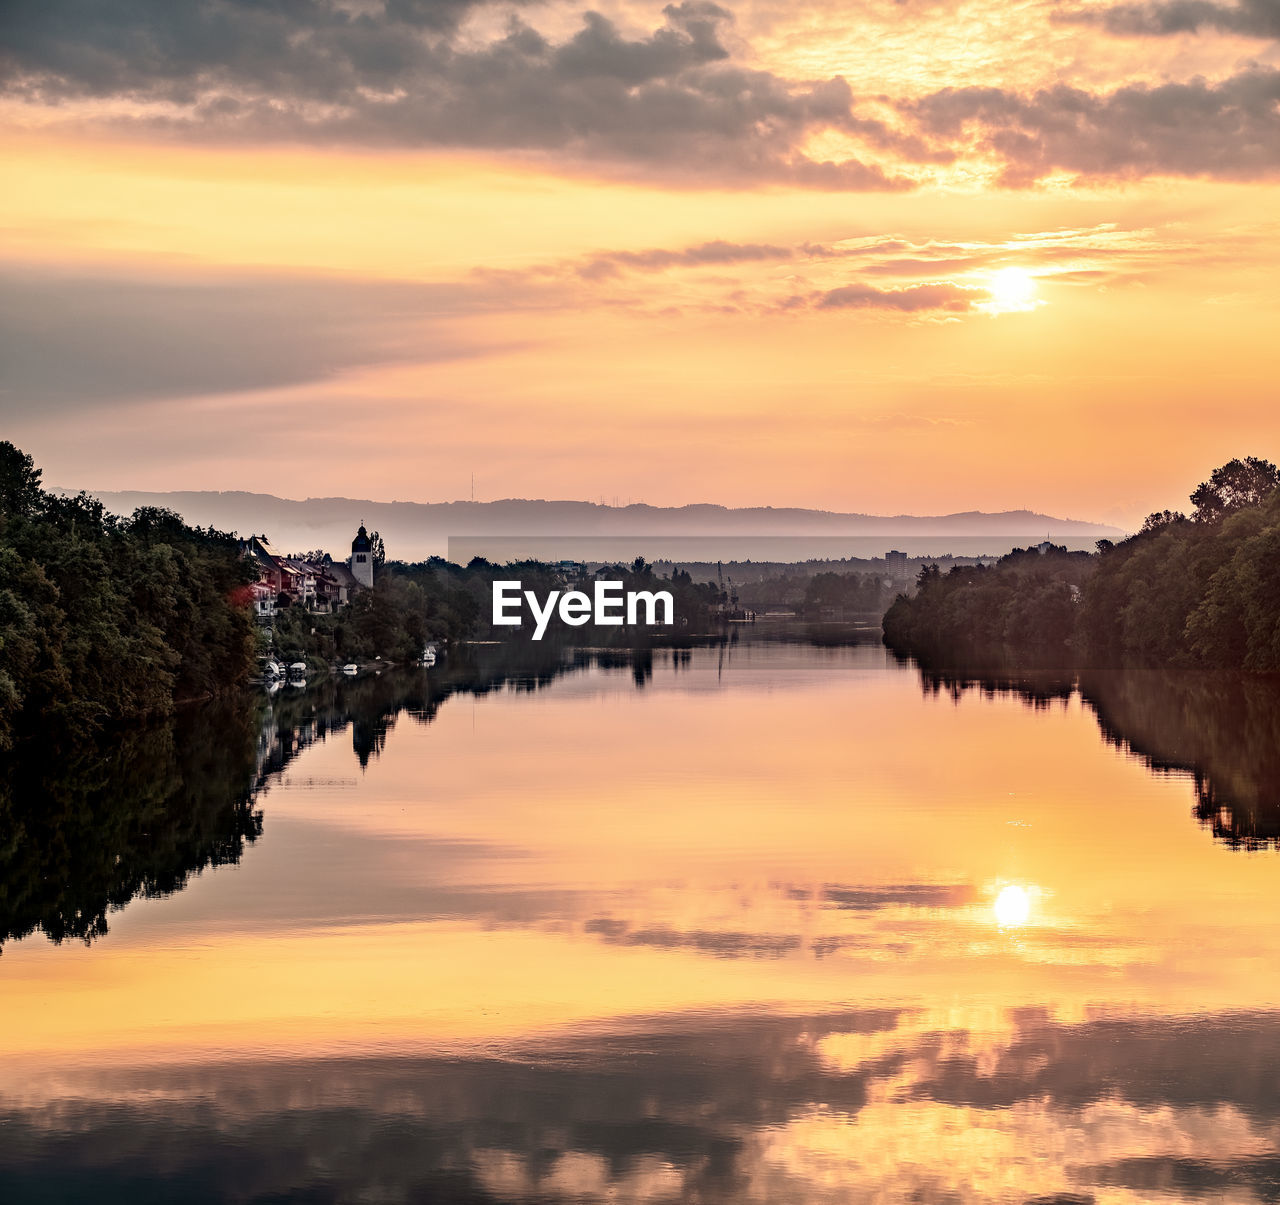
[[554, 530]]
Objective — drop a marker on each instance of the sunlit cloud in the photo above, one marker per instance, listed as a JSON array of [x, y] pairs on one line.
[[1161, 18]]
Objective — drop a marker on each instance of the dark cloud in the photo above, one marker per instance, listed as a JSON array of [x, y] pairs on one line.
[[599, 50], [69, 340], [156, 49], [672, 103], [1253, 18], [1230, 129], [310, 70]]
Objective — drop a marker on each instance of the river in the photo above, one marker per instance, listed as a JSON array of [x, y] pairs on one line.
[[763, 921]]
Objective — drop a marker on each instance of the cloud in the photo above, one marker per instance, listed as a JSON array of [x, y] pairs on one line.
[[942, 295], [678, 102], [713, 254], [76, 339], [1252, 18], [310, 70], [1229, 129], [158, 49]]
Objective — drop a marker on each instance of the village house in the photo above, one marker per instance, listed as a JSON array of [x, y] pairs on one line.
[[318, 584]]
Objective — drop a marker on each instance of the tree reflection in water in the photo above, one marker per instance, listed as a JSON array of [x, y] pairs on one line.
[[1222, 729], [86, 830]]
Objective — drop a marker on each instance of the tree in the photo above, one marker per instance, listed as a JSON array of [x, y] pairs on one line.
[[379, 550], [1158, 519], [104, 620], [1237, 484], [20, 492]]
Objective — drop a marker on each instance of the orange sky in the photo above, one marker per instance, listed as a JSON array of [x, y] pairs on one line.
[[920, 258]]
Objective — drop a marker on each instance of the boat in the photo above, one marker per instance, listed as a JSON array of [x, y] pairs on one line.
[[428, 657], [351, 668]]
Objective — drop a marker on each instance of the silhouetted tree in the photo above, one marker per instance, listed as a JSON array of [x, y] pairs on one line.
[[20, 492], [1158, 519], [1237, 484]]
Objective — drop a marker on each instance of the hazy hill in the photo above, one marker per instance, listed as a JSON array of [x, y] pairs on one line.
[[589, 531]]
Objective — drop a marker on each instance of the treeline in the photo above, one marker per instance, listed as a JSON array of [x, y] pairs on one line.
[[107, 619], [694, 604], [1028, 599], [413, 603], [844, 593], [408, 606], [1192, 591]]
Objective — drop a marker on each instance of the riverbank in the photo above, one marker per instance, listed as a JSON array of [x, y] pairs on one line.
[[1185, 592]]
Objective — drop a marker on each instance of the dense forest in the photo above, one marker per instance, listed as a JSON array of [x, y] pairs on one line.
[[1186, 591], [105, 619]]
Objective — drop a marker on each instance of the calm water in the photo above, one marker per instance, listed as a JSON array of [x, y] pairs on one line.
[[764, 923]]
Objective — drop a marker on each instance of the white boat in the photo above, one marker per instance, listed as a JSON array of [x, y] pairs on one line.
[[428, 656], [271, 669], [351, 668]]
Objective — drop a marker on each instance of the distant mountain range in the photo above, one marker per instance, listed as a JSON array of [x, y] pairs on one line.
[[516, 527]]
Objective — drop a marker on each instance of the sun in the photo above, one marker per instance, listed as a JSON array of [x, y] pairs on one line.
[[1012, 290], [1012, 907]]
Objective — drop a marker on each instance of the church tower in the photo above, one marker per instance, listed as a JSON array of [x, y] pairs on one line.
[[362, 558]]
